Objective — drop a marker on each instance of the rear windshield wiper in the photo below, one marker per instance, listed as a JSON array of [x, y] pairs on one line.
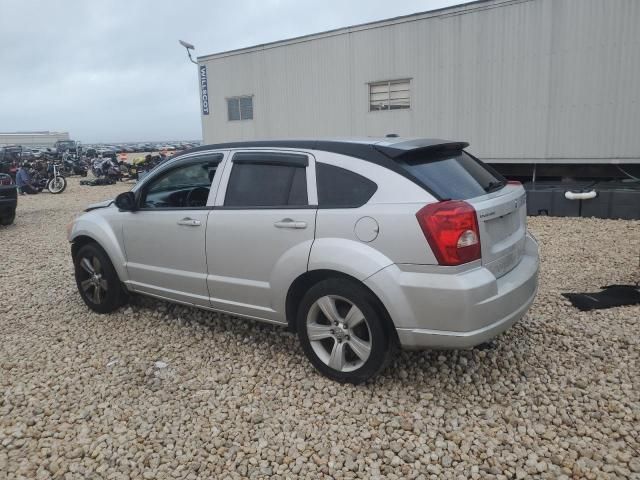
[[493, 186]]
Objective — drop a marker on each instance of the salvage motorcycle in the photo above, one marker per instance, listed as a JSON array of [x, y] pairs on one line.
[[72, 165], [104, 167], [52, 179]]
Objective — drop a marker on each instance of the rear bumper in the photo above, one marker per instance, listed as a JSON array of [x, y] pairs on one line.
[[419, 338], [444, 309]]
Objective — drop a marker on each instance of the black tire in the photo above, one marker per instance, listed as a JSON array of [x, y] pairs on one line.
[[109, 298], [8, 220], [52, 189], [380, 340]]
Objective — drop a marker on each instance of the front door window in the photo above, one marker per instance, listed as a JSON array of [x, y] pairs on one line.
[[186, 186]]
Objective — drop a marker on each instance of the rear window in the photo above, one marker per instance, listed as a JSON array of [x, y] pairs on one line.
[[453, 175]]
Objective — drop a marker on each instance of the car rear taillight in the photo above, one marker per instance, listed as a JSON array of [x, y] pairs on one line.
[[451, 228], [515, 183]]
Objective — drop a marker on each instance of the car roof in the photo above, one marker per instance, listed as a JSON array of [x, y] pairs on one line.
[[387, 152], [366, 148]]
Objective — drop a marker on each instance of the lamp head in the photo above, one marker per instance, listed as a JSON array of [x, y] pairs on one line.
[[186, 45]]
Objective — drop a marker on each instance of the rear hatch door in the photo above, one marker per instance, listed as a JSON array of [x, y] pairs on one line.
[[449, 173], [502, 219]]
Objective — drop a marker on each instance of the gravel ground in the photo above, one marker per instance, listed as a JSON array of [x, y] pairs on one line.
[[162, 391]]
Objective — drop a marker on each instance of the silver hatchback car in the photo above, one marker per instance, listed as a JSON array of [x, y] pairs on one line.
[[357, 245]]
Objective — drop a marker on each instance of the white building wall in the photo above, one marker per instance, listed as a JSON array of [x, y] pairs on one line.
[[44, 139], [524, 80]]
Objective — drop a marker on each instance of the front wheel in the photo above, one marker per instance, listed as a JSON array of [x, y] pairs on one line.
[[57, 185], [342, 331], [97, 280]]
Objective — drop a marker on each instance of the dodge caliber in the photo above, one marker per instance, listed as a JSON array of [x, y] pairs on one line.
[[359, 246]]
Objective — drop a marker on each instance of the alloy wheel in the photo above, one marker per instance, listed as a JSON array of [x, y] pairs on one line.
[[339, 333], [92, 282]]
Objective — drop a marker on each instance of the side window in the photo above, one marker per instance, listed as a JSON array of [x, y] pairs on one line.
[[186, 186], [340, 188], [267, 180]]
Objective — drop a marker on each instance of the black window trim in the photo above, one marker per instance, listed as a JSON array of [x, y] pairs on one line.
[[286, 159], [218, 157]]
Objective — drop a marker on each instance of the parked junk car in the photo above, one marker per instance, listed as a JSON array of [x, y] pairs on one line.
[[8, 199], [10, 159], [91, 153], [38, 152], [27, 155], [62, 146], [358, 246]]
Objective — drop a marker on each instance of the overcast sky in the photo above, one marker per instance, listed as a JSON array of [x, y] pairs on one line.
[[112, 71]]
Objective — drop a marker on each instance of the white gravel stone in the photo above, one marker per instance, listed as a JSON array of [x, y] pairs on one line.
[[164, 391]]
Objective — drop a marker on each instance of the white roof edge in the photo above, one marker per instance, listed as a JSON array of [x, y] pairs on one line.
[[13, 134], [458, 9]]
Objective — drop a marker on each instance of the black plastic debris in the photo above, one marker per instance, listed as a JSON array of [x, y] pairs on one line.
[[98, 181], [610, 296]]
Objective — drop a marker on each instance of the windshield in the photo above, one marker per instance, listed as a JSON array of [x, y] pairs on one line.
[[454, 175]]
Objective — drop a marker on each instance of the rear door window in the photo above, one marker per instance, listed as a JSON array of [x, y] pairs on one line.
[[340, 188], [453, 175], [267, 180]]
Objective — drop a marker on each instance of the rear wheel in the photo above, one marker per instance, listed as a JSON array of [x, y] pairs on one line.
[[97, 280], [342, 332]]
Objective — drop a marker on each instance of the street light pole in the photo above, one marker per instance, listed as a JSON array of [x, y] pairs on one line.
[[202, 75], [188, 47]]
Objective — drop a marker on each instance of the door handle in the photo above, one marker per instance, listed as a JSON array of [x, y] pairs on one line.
[[189, 222], [289, 223]]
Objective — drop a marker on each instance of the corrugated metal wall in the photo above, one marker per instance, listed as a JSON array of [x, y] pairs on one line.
[[44, 139], [524, 80]]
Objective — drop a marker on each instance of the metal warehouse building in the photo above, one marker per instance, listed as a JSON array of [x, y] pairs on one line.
[[41, 139], [530, 81]]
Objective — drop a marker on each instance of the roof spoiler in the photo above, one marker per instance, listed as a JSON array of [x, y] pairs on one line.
[[397, 150]]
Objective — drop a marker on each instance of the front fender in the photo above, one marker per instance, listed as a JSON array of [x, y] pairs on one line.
[[353, 258], [98, 228]]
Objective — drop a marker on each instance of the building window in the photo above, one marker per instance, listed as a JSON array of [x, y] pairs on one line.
[[389, 95], [240, 108]]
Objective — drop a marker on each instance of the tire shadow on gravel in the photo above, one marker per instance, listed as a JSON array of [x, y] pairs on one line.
[[264, 334], [505, 357]]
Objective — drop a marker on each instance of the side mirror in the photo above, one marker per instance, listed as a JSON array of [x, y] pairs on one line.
[[126, 201]]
